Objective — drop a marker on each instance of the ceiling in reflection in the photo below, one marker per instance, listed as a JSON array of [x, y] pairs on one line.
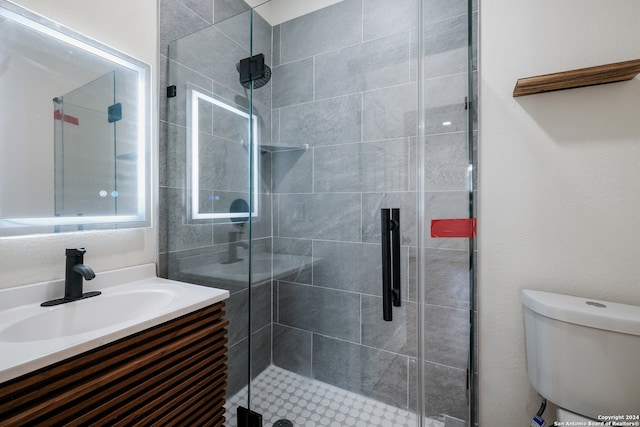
[[278, 11]]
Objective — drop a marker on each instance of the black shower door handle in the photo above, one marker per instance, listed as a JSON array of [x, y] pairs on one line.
[[390, 233]]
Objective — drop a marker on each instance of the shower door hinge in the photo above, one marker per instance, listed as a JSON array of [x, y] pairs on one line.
[[172, 91], [252, 68], [114, 113], [466, 103], [248, 418]]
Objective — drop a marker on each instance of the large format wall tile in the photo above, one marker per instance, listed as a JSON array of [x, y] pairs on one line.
[[384, 17], [184, 235], [177, 20], [446, 35], [445, 48], [362, 167], [447, 165], [238, 27], [292, 171], [447, 278], [292, 349], [437, 10], [325, 311], [330, 216], [172, 147], [446, 90], [223, 164], [261, 306], [238, 367], [446, 118], [447, 336], [374, 373], [372, 203], [292, 83], [397, 336], [238, 356], [320, 31], [283, 247], [223, 9], [261, 350], [202, 8], [390, 112], [365, 66], [445, 390], [219, 64], [236, 310], [275, 52], [354, 267], [332, 121], [179, 75], [446, 204]]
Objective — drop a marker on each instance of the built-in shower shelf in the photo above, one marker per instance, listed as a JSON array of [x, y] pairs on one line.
[[608, 73], [278, 148], [132, 157]]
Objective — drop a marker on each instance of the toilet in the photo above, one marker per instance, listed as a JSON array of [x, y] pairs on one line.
[[583, 355]]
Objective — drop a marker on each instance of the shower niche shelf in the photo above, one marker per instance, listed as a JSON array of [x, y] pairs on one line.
[[278, 148], [265, 148], [608, 73]]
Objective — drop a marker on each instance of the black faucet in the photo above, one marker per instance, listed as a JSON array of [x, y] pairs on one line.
[[75, 273], [232, 253]]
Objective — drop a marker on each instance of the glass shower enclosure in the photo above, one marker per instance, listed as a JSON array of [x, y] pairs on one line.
[[321, 168], [95, 149]]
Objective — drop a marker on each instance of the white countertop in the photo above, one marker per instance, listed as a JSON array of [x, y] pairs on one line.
[[28, 343]]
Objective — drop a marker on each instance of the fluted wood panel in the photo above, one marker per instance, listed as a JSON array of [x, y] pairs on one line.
[[172, 374]]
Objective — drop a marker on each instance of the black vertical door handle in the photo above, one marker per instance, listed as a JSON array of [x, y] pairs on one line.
[[395, 256], [390, 234]]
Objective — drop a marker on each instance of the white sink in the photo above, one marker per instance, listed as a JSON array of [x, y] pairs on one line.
[[90, 314], [132, 300]]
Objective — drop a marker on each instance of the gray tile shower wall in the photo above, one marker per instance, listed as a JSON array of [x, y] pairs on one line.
[[348, 89], [344, 84]]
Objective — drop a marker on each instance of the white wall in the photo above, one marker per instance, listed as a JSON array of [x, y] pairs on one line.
[[559, 178], [130, 26]]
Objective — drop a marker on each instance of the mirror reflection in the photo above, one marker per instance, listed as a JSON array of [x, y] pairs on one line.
[[74, 135]]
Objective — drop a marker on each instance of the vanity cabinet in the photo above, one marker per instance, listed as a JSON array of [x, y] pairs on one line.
[[171, 374]]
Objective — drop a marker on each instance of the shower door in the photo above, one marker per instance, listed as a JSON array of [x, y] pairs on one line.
[[363, 110], [214, 195], [370, 108], [96, 165], [82, 134]]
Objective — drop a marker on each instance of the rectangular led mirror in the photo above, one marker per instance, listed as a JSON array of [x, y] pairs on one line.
[[74, 130], [233, 128]]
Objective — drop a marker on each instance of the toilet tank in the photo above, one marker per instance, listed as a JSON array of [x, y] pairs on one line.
[[583, 355]]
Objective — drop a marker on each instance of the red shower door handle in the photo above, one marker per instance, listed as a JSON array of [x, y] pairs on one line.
[[453, 227]]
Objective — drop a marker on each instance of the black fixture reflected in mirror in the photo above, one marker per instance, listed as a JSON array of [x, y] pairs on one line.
[[237, 206]]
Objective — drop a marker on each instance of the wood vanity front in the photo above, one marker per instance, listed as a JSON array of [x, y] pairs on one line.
[[171, 374]]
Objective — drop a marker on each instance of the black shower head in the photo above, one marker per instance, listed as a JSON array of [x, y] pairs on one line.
[[253, 70]]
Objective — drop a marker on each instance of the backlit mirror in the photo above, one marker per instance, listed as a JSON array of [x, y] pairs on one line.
[[231, 127], [74, 130]]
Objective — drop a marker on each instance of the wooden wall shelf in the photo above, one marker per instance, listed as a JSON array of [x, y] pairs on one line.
[[600, 74]]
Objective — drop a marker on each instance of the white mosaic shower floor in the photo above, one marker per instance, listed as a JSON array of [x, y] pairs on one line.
[[278, 393]]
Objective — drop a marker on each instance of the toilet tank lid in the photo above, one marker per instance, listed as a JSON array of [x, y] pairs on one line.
[[610, 316]]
